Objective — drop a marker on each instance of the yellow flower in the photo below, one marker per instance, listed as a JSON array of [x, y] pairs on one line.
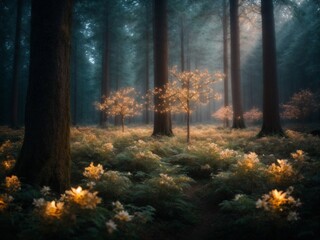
[[93, 172], [8, 164], [83, 198], [13, 183], [54, 209], [5, 199], [299, 155]]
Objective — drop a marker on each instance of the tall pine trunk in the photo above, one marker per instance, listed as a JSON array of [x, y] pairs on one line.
[[271, 118], [238, 121], [147, 85], [75, 84], [162, 118], [16, 68], [225, 59], [45, 155], [105, 71]]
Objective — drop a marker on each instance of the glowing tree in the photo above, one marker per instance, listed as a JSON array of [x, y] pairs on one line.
[[121, 103], [186, 91], [223, 113], [300, 106], [253, 115]]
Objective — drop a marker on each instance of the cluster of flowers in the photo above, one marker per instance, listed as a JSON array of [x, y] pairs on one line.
[[281, 170], [147, 155], [75, 196], [248, 162], [93, 172], [121, 215], [280, 202], [12, 184]]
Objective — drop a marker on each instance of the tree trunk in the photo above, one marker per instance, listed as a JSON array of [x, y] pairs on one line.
[[182, 44], [271, 118], [122, 123], [16, 67], [105, 71], [162, 119], [225, 59], [238, 121], [75, 84], [147, 120], [45, 155]]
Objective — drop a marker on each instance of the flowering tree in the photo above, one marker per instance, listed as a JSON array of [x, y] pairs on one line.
[[121, 103], [223, 113], [253, 115], [186, 91], [300, 106]]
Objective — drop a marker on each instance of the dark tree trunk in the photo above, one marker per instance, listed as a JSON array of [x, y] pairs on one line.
[[182, 44], [162, 119], [75, 84], [45, 155], [238, 121], [105, 71], [16, 67], [147, 38], [271, 118], [225, 59]]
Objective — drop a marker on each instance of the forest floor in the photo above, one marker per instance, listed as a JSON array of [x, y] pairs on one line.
[[225, 184]]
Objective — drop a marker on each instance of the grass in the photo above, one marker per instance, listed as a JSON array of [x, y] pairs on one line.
[[167, 189]]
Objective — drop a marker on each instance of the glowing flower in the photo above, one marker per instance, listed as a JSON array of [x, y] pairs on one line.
[[5, 199], [108, 147], [123, 216], [279, 201], [299, 155], [93, 172], [238, 196], [13, 183], [111, 226], [54, 209], [281, 170], [83, 198], [249, 161], [8, 164], [4, 147]]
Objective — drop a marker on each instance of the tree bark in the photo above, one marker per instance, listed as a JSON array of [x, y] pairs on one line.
[[16, 67], [105, 71], [162, 119], [225, 59], [75, 84], [271, 117], [147, 38], [45, 155], [238, 121]]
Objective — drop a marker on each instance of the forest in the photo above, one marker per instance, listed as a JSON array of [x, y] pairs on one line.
[[159, 119]]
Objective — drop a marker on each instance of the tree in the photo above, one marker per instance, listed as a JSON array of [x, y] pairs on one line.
[[162, 119], [105, 69], [188, 90], [223, 113], [301, 105], [225, 59], [238, 121], [45, 155], [16, 67], [271, 117], [121, 103]]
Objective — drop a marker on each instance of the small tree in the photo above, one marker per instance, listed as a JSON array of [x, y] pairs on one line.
[[223, 113], [253, 115], [121, 103], [301, 105], [186, 91]]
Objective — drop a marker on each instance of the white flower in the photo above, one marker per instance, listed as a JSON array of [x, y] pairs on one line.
[[123, 216], [45, 190], [118, 206], [292, 216], [39, 202], [111, 226]]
